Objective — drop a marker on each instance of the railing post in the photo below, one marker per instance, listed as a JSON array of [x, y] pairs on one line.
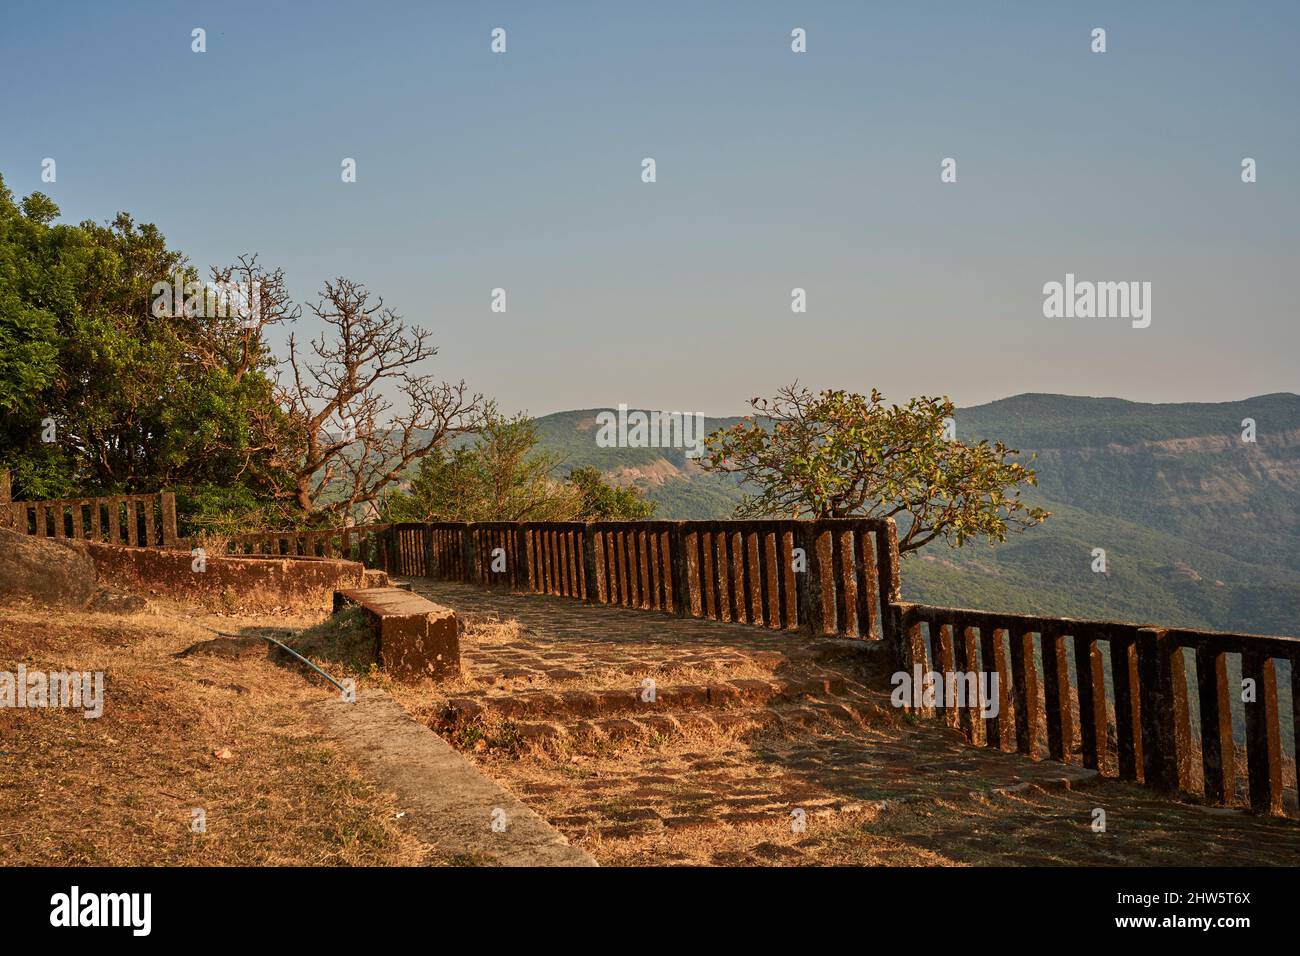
[[168, 519], [1128, 705], [590, 583], [994, 658], [428, 551], [1218, 752], [890, 590], [518, 536], [1263, 734], [1092, 697], [1056, 692], [469, 551], [1024, 687], [6, 500], [910, 652], [678, 569], [1166, 737], [810, 583]]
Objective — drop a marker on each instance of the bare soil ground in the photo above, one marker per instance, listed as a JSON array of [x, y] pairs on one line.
[[226, 734]]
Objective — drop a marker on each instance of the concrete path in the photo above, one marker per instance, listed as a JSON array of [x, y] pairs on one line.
[[470, 819]]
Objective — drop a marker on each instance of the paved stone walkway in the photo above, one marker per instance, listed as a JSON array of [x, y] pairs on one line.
[[451, 806], [750, 734]]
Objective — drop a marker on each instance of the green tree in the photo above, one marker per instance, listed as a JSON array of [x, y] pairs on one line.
[[500, 476], [601, 500], [30, 284], [837, 454], [135, 398]]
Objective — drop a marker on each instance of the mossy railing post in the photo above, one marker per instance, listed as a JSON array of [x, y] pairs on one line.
[[678, 569], [169, 535], [590, 583], [6, 500], [811, 613]]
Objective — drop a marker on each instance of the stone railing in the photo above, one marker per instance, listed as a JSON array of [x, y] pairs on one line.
[[823, 577], [1124, 708], [142, 521], [365, 543]]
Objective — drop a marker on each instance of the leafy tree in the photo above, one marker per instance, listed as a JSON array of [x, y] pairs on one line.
[[498, 477], [601, 500], [837, 454], [28, 338], [138, 398], [501, 476]]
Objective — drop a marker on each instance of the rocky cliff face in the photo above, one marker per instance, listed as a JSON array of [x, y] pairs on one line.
[[1227, 495]]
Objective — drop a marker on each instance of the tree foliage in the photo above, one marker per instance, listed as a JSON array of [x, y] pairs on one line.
[[838, 454], [99, 394], [602, 501], [501, 476]]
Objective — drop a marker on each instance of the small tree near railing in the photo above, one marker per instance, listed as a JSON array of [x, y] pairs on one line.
[[837, 454]]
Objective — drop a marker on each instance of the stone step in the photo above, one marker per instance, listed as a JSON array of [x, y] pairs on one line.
[[808, 713], [609, 702]]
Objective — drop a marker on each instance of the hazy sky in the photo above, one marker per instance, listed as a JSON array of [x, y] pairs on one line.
[[821, 170]]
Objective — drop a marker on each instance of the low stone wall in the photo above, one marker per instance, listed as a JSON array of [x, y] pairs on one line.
[[247, 581]]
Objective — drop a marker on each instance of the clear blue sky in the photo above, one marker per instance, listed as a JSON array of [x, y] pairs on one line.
[[775, 170]]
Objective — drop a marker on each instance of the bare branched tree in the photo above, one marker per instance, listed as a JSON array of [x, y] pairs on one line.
[[257, 299], [342, 444]]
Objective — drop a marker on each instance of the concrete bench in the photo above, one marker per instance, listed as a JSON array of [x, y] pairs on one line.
[[414, 637]]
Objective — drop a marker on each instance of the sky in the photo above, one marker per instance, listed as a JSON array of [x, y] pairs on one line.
[[775, 170]]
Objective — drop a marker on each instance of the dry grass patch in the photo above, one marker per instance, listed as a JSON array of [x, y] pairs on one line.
[[230, 735], [841, 839]]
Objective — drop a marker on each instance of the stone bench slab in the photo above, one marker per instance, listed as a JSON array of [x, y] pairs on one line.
[[414, 637]]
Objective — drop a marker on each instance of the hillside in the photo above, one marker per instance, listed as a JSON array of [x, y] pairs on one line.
[[1200, 528]]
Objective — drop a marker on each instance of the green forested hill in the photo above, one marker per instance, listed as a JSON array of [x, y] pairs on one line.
[[1200, 528], [1037, 420]]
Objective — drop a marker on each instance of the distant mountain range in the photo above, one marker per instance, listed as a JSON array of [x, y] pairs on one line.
[[1200, 528]]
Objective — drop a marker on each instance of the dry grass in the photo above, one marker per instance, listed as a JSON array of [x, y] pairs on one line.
[[842, 839], [119, 790]]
